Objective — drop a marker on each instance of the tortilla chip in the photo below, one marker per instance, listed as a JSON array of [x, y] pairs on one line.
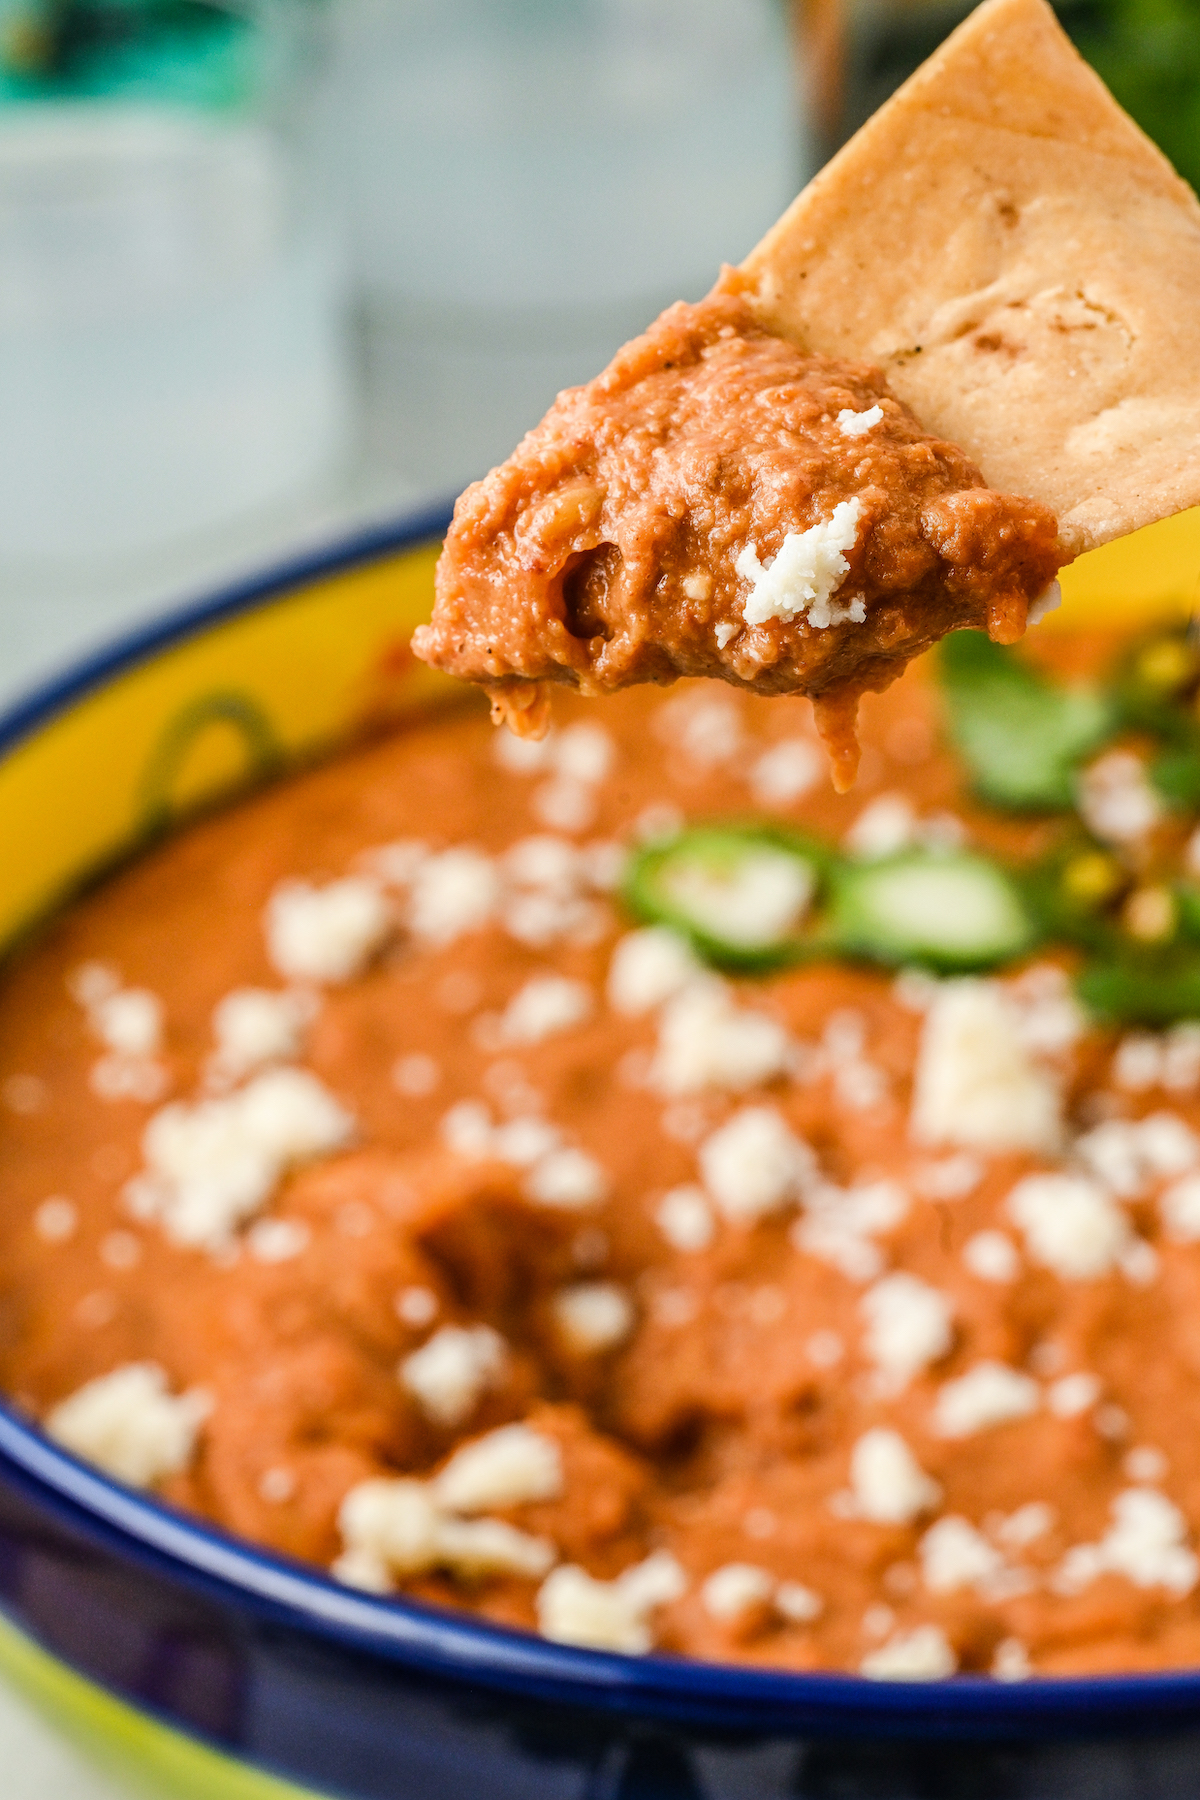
[[1024, 265]]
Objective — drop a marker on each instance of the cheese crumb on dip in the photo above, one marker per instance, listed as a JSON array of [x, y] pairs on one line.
[[719, 502]]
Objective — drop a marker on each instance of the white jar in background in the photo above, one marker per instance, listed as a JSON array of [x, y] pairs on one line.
[[528, 183], [172, 340]]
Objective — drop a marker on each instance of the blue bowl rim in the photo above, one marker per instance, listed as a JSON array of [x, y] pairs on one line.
[[460, 1646]]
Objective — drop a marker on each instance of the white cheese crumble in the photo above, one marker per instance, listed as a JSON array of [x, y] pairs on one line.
[[839, 1224], [887, 1484], [453, 893], [707, 727], [120, 1077], [91, 982], [130, 1425], [326, 933], [955, 1555], [523, 1142], [685, 1218], [253, 1026], [755, 1165], [466, 1128], [807, 572], [474, 1548], [1172, 1061], [564, 805], [120, 1250], [24, 1094], [949, 1178], [1126, 1155], [825, 1349], [543, 862], [909, 1326], [129, 1021], [584, 752], [1010, 1661], [543, 905], [276, 1485], [415, 1075], [416, 1306], [1146, 1543], [1072, 1395], [1116, 801], [524, 756], [277, 1240], [734, 1589], [798, 1604], [550, 890], [1180, 1066], [394, 1522], [1051, 1017], [1145, 1463], [1138, 1063], [451, 1372], [1180, 1207], [394, 864], [1070, 1225], [574, 1608], [990, 1394], [976, 1083], [647, 968], [990, 1256], [1140, 1262], [853, 424], [923, 1654], [885, 825], [544, 1007], [785, 772], [213, 1164], [705, 1041], [56, 1219], [397, 1528], [507, 1467], [593, 1316], [1026, 1525], [567, 1179]]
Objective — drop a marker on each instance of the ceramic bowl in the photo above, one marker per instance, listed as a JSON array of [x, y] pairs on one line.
[[210, 1667]]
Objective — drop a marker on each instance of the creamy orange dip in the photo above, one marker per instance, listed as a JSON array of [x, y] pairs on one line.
[[720, 503], [360, 1123]]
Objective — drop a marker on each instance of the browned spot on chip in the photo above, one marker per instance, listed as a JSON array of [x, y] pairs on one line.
[[1003, 176]]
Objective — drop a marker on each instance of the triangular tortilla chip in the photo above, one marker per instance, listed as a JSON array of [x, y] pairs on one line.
[[1024, 265]]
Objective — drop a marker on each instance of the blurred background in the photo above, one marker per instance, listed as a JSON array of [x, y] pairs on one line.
[[270, 268]]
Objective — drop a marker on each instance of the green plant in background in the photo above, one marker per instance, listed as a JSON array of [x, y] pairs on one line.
[[1022, 737], [1148, 51], [195, 51]]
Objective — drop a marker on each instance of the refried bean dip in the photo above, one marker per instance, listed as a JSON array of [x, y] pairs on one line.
[[720, 503], [379, 1188]]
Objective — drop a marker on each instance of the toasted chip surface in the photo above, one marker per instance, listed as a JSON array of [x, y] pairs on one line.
[[1023, 263]]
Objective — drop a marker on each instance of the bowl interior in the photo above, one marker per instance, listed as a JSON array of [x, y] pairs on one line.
[[278, 671]]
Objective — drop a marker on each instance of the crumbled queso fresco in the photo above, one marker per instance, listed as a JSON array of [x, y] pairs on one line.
[[402, 1202]]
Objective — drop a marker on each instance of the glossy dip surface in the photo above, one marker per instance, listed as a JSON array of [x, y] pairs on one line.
[[351, 1694]]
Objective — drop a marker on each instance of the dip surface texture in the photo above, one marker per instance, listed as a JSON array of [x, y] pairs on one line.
[[720, 503], [779, 1374]]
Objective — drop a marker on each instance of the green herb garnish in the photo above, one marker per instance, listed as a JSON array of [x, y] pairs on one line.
[[1021, 736]]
